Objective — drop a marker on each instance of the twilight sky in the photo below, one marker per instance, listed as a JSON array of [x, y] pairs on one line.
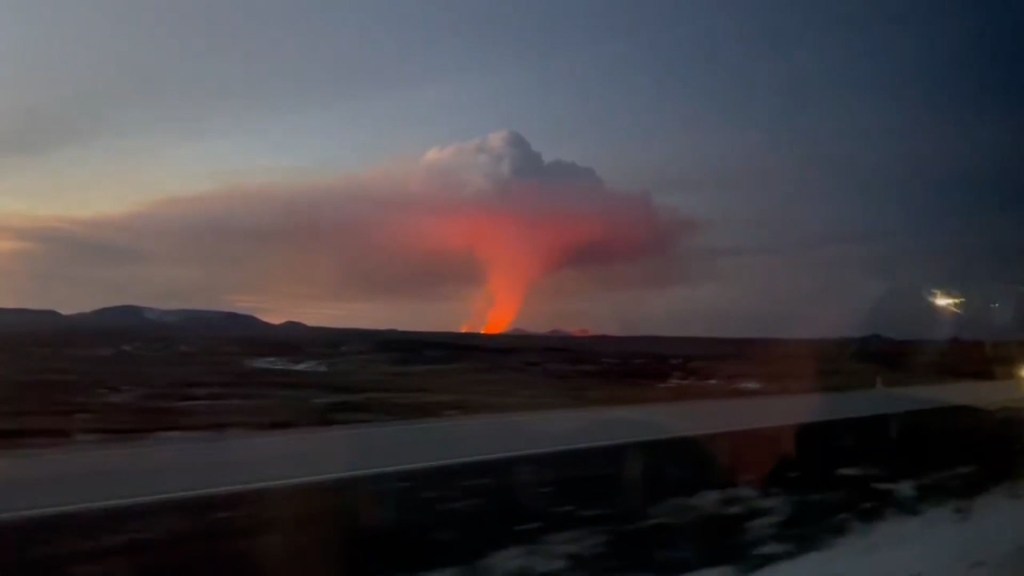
[[703, 167]]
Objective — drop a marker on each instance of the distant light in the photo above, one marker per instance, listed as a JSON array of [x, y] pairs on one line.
[[946, 301], [1020, 371]]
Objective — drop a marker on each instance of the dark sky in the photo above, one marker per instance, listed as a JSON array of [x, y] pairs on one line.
[[831, 156]]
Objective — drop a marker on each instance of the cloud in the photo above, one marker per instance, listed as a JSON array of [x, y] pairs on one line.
[[482, 222], [503, 158]]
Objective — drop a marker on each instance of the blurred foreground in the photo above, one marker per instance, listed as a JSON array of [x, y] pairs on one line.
[[747, 499]]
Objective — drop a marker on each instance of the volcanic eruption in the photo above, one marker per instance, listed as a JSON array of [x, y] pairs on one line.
[[486, 220], [525, 219]]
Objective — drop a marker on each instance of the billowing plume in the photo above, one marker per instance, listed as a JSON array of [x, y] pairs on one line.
[[525, 218], [489, 213]]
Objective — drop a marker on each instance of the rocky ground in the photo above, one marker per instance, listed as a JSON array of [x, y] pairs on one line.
[[94, 385]]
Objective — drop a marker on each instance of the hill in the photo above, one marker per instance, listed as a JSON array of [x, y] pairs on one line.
[[128, 317]]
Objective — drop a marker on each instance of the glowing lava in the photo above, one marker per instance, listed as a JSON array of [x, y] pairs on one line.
[[513, 260], [520, 236], [508, 284]]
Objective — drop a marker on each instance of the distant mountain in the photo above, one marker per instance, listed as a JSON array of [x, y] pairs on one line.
[[22, 318], [141, 316], [115, 316], [293, 325]]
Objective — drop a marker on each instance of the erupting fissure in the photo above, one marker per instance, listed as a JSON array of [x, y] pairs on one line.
[[497, 204], [505, 294], [511, 266], [521, 242]]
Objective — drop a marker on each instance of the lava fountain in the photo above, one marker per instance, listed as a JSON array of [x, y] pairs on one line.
[[518, 239]]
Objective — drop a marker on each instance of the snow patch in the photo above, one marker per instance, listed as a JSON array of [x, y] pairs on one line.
[[274, 363], [939, 542]]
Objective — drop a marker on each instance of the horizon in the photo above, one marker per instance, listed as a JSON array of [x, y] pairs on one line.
[[553, 331]]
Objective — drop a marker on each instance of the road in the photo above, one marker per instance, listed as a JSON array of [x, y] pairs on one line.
[[78, 478]]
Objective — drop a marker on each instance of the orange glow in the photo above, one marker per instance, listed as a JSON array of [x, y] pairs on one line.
[[11, 246], [507, 287], [518, 238], [514, 251]]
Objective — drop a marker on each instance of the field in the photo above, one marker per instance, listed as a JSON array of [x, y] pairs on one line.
[[94, 384]]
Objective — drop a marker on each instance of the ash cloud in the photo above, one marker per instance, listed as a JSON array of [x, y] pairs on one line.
[[476, 225], [504, 158]]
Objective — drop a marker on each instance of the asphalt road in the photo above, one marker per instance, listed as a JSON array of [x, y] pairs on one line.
[[43, 482]]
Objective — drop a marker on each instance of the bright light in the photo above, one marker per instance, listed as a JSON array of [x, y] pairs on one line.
[[946, 301], [1020, 371]]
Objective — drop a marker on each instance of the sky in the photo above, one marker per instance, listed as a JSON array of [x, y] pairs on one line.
[[707, 167]]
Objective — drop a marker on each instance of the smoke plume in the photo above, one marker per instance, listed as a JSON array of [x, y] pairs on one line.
[[483, 221]]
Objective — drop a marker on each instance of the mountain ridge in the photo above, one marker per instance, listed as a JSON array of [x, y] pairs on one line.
[[129, 316]]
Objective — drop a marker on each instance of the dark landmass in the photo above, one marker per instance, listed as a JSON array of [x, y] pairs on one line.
[[127, 370]]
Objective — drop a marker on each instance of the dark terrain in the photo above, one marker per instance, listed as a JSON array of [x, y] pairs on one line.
[[127, 371]]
